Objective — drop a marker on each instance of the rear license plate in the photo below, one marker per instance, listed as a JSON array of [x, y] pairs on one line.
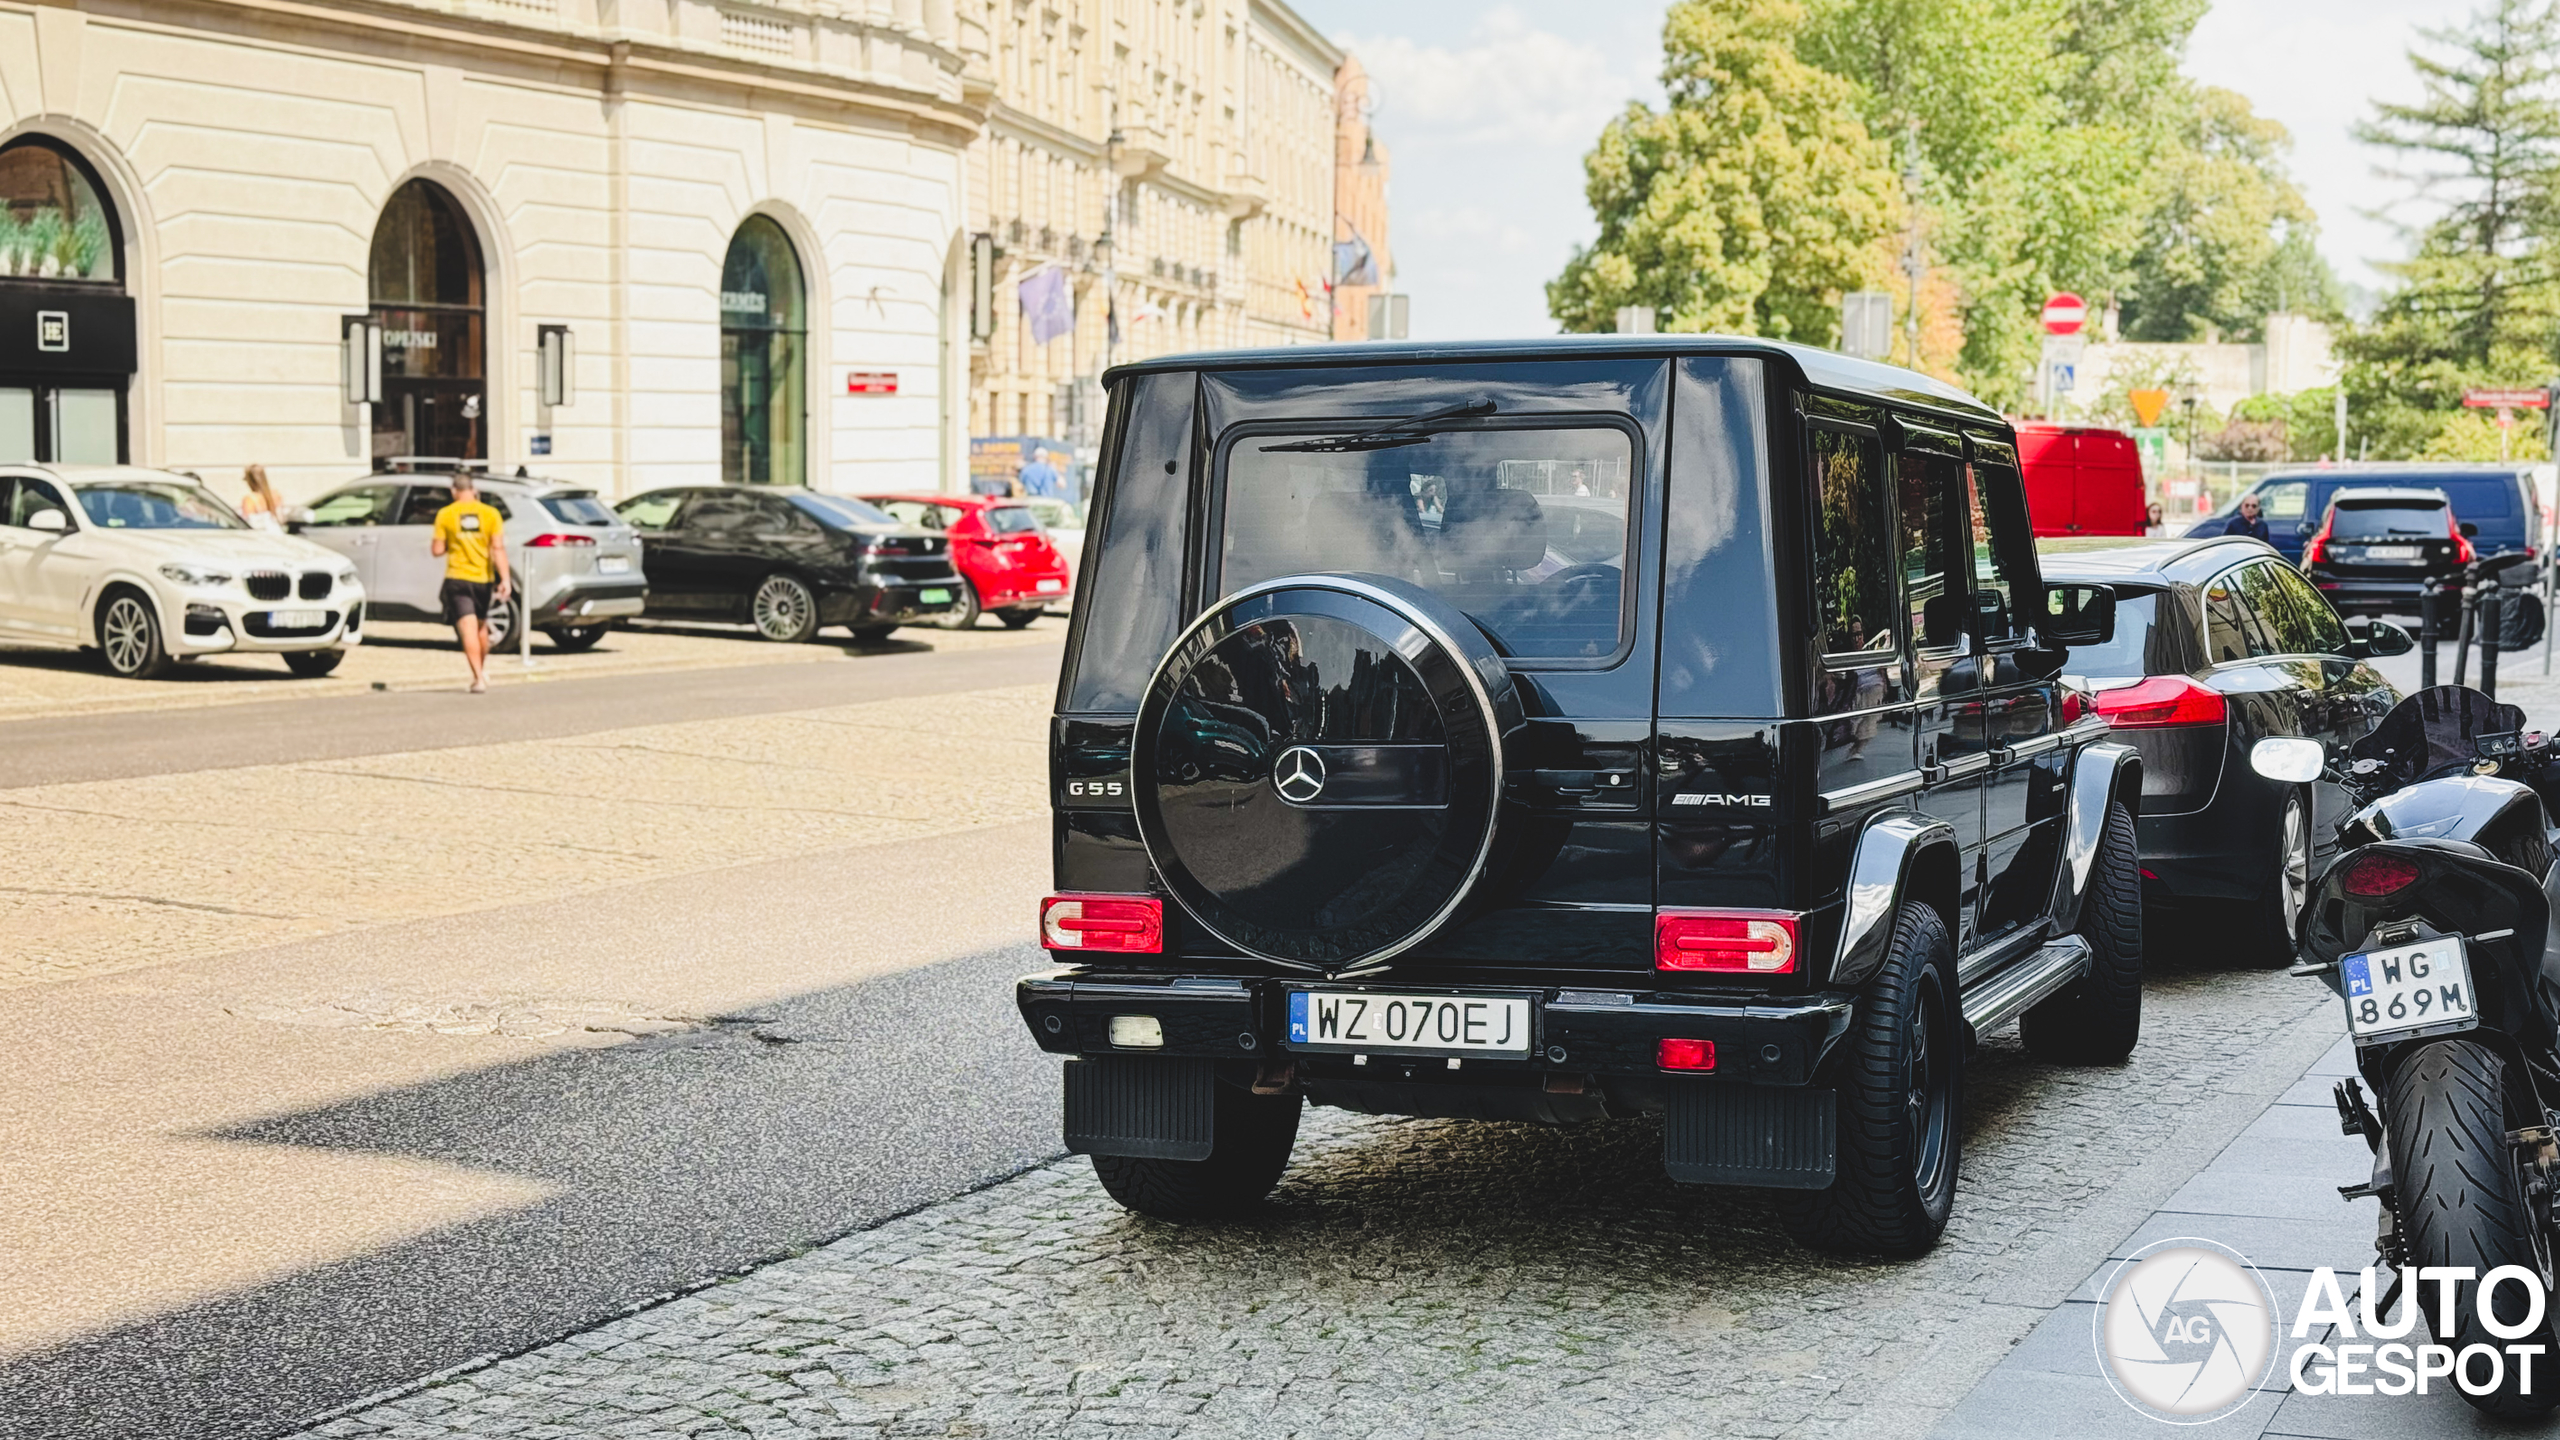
[[1366, 1021], [2424, 986], [613, 565], [1050, 587], [297, 619], [2393, 552], [933, 597]]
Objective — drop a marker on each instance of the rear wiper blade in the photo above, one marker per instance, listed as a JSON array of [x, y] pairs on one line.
[[1411, 431]]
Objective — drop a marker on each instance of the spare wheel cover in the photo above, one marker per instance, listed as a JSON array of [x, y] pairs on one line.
[[1319, 767]]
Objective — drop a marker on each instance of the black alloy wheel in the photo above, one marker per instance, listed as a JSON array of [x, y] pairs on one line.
[[1901, 1105], [574, 638], [2273, 921], [784, 610], [129, 635]]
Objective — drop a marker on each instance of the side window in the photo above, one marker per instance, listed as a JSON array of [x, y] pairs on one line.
[[362, 505], [724, 515], [2003, 544], [1853, 562], [1930, 489], [2232, 630], [2302, 622], [422, 504], [915, 512], [652, 511], [778, 516], [9, 492], [2284, 502], [28, 496]]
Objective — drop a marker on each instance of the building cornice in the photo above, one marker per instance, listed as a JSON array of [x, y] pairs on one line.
[[1280, 17]]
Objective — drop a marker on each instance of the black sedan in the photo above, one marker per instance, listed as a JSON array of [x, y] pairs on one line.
[[787, 561], [2218, 644]]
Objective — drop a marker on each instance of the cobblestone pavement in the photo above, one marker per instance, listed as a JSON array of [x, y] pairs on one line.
[[1424, 1278]]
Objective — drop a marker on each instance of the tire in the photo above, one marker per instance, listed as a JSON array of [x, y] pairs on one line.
[[869, 634], [964, 615], [498, 627], [1016, 619], [1254, 1137], [129, 635], [1901, 1098], [312, 664], [2098, 1019], [2462, 1200], [573, 638], [2273, 920], [784, 610]]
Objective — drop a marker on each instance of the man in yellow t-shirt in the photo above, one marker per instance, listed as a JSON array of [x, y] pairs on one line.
[[471, 536]]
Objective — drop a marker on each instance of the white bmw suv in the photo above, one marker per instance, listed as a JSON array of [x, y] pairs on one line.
[[146, 568]]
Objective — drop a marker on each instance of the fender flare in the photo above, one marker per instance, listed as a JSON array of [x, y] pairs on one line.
[[2105, 773], [1898, 851]]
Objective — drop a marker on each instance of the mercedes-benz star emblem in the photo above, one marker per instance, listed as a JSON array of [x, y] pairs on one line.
[[1298, 775]]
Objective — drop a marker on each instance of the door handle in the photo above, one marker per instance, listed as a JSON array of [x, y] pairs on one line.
[[1576, 784]]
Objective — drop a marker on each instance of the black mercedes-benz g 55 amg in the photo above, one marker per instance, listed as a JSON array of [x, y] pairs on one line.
[[1569, 729]]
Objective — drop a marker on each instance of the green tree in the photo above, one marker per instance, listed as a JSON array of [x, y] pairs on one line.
[[2228, 237], [1749, 203]]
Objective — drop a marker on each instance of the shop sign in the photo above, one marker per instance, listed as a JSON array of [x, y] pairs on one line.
[[53, 332], [871, 382], [742, 302]]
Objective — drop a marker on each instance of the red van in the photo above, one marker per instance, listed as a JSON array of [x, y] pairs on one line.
[[2081, 480]]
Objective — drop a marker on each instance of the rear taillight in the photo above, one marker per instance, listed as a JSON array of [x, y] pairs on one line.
[[2463, 554], [1753, 942], [2317, 548], [2373, 876], [2160, 703], [550, 540], [1685, 1054], [1131, 924]]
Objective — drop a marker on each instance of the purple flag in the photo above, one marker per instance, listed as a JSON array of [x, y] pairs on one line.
[[1046, 304]]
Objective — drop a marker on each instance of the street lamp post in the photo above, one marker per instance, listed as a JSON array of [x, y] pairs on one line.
[[1106, 250]]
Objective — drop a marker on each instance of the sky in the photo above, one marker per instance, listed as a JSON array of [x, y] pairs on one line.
[[1489, 109]]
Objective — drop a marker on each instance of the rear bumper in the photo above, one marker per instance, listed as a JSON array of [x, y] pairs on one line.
[[1608, 1034], [580, 601], [889, 604], [1022, 587]]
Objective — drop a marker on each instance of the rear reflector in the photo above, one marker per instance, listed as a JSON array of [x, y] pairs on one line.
[[1130, 924], [1686, 1054], [2377, 875], [2161, 702], [1137, 1032], [1757, 942]]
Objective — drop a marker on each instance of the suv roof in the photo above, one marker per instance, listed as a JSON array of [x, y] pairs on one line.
[[1822, 369], [2405, 495]]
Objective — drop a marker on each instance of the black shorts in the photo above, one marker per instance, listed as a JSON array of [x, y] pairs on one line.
[[465, 597]]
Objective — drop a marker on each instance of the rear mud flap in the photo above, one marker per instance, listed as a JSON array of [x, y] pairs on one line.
[[1149, 1109], [1784, 1137]]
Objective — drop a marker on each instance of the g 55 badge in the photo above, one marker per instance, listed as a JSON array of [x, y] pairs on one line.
[[1102, 792]]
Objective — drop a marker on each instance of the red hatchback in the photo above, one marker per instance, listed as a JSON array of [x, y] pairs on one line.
[[1005, 558]]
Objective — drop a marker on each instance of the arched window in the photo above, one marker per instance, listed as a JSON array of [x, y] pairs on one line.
[[764, 407], [428, 298], [64, 367]]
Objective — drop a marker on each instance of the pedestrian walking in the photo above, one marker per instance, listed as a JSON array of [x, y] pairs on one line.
[[471, 536], [260, 507], [1040, 477]]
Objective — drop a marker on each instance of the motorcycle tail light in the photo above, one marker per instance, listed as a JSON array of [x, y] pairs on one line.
[[1130, 924], [1753, 942], [2373, 876]]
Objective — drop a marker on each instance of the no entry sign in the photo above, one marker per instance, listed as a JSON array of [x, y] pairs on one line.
[[2065, 313]]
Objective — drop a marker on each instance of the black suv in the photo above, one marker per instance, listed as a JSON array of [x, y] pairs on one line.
[[2378, 549], [1572, 729]]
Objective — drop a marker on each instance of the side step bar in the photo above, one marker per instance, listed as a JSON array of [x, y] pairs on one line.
[[2007, 995]]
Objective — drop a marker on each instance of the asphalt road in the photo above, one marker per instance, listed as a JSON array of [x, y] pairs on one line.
[[72, 748], [279, 1180]]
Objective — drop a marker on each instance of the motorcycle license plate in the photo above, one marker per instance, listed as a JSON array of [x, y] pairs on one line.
[[1373, 1022], [2425, 986]]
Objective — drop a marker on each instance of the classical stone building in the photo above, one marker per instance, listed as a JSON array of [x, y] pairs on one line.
[[786, 238], [1361, 170], [1176, 156]]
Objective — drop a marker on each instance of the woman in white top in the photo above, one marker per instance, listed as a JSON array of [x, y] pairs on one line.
[[260, 507]]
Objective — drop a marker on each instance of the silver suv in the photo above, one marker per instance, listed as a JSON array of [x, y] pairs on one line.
[[575, 561]]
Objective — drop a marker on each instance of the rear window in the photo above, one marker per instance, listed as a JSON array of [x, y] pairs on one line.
[[2355, 521], [2144, 643], [578, 508], [1523, 528], [1011, 520]]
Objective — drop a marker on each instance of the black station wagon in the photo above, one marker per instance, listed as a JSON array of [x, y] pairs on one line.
[[1566, 730]]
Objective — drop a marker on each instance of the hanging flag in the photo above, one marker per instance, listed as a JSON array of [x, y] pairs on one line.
[[1306, 305], [1050, 310], [1354, 263]]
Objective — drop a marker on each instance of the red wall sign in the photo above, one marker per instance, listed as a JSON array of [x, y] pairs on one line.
[[2514, 399], [871, 382]]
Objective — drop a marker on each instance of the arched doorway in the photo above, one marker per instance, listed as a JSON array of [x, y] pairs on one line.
[[66, 324], [764, 342], [428, 297]]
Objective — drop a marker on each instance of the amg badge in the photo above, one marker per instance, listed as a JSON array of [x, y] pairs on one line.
[[1757, 802]]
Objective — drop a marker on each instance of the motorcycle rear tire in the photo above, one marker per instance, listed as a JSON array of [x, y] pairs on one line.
[[2462, 1200]]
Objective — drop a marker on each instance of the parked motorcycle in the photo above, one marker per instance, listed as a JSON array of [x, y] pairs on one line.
[[2433, 925]]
